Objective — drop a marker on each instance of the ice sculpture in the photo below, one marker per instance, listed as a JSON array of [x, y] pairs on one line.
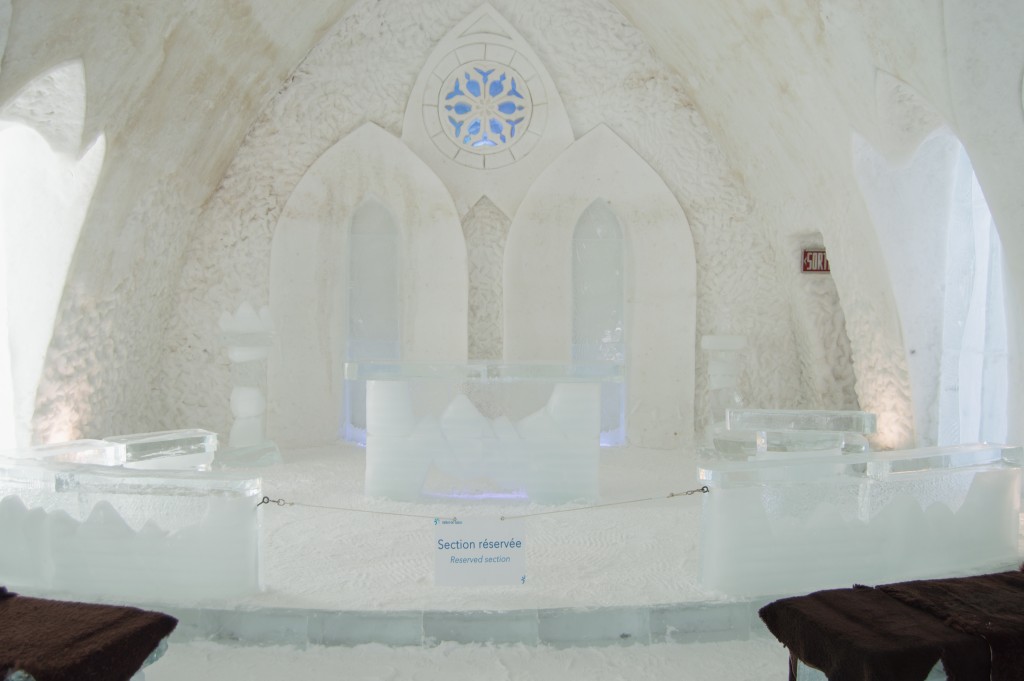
[[248, 336], [427, 432], [96, 531], [798, 523]]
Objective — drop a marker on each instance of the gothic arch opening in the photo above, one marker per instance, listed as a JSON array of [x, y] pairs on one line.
[[599, 307], [374, 295], [365, 211]]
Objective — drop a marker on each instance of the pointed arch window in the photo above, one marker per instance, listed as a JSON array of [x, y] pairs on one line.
[[374, 288], [599, 307]]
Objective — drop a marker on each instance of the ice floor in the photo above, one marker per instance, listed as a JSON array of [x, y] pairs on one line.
[[757, 659]]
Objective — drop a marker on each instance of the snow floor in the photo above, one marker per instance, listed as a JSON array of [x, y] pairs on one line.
[[621, 555]]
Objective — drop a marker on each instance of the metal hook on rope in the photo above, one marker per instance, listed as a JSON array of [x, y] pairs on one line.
[[268, 500], [702, 490]]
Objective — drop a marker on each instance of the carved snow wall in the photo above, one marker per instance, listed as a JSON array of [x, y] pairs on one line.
[[365, 69]]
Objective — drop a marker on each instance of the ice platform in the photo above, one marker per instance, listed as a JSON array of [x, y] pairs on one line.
[[109, 532], [341, 568], [818, 521]]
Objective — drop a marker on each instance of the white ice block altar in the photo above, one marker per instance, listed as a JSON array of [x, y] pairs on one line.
[[101, 531], [483, 429], [796, 524]]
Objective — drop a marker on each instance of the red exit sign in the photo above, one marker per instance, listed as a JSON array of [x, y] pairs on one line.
[[814, 260]]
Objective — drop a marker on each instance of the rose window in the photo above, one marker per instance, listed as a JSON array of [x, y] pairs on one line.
[[484, 107]]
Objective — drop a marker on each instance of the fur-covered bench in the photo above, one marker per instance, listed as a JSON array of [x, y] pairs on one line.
[[974, 626], [49, 640]]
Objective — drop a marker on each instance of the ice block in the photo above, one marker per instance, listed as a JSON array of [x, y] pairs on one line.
[[803, 420], [99, 452], [796, 524], [751, 432], [171, 449], [483, 429], [115, 533]]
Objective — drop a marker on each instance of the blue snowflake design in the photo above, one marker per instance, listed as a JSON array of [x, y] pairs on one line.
[[485, 106]]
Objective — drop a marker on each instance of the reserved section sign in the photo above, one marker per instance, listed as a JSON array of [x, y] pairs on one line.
[[479, 552]]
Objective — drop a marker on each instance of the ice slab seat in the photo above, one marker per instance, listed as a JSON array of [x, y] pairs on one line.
[[780, 419], [98, 452], [483, 429], [93, 531], [758, 431], [170, 449], [792, 525]]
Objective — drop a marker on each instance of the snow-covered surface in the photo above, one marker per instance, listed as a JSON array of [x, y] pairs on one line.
[[753, 660], [633, 554]]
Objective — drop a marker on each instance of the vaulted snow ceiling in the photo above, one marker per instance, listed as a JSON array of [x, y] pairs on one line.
[[176, 90]]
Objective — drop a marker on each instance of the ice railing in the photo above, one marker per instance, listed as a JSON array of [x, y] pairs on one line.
[[483, 429], [110, 519], [782, 522]]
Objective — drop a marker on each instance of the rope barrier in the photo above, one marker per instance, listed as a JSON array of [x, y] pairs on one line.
[[701, 490], [281, 502]]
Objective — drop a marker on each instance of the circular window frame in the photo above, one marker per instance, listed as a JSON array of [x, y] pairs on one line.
[[513, 64]]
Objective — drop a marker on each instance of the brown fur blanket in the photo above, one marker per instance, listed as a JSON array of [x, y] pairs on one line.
[[63, 641], [862, 634], [988, 606]]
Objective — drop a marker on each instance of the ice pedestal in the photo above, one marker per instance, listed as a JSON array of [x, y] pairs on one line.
[[110, 532], [483, 429], [725, 366], [248, 335], [793, 525]]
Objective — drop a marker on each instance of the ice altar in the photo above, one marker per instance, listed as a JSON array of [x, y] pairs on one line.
[[89, 524], [483, 429], [792, 521]]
